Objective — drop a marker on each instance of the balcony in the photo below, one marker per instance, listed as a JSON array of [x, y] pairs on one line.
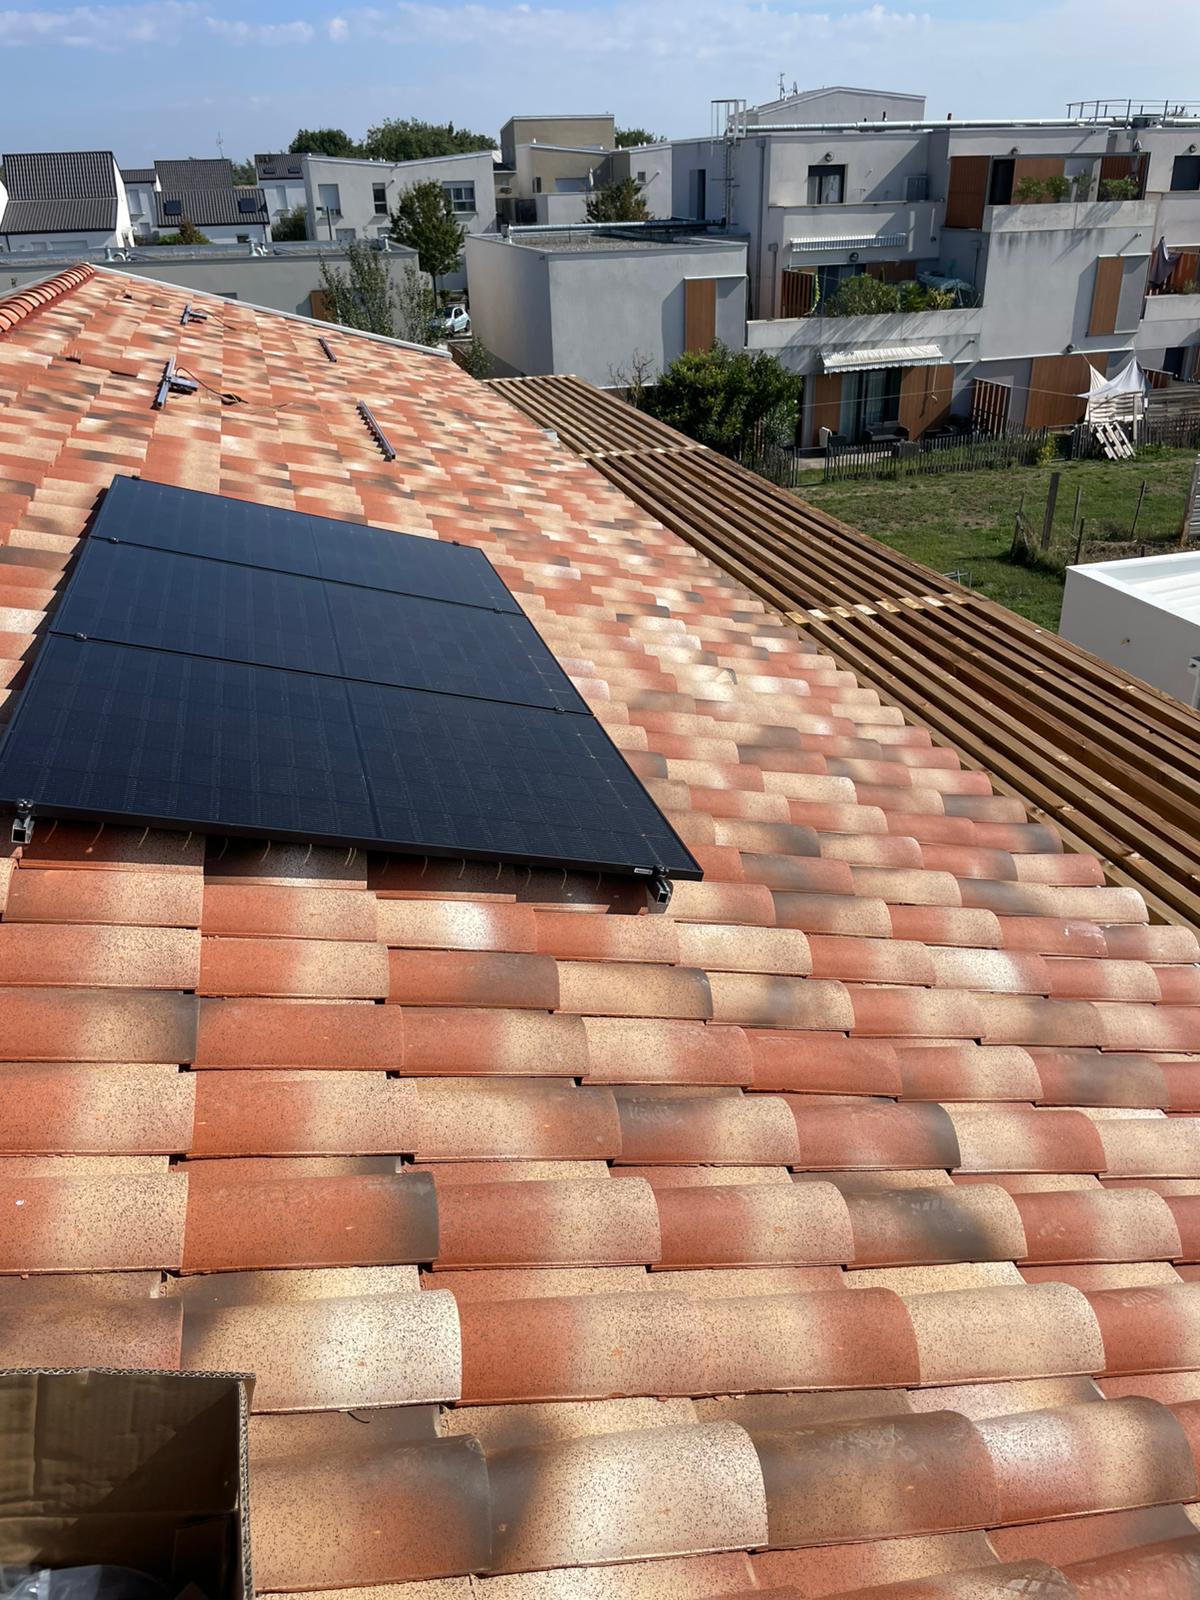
[[1071, 216], [801, 343]]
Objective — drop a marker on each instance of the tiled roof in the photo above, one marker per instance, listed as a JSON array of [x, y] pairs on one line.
[[137, 174], [831, 1232], [75, 215], [205, 194], [60, 174], [193, 173]]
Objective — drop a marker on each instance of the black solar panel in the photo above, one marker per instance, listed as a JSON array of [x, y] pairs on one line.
[[179, 686], [248, 205], [172, 208]]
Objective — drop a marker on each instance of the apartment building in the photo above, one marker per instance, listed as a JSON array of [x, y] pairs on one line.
[[600, 302], [1019, 251], [649, 165], [281, 178], [62, 200], [549, 164], [203, 192]]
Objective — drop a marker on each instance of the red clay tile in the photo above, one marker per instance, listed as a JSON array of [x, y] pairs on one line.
[[833, 914], [460, 1120], [286, 1033], [134, 898], [870, 960], [304, 968], [1087, 1458], [737, 1130], [1052, 936], [1083, 1538], [783, 951], [751, 904], [914, 1013], [1021, 1019], [343, 1518], [107, 1110], [759, 1225], [98, 957], [1020, 1139], [653, 1050], [1082, 978], [469, 978], [262, 911], [903, 1226], [277, 1112], [1089, 1078], [96, 1025], [755, 1001], [1163, 1570], [91, 1224], [244, 1224], [875, 1479], [1150, 1329], [464, 1042], [1098, 1225], [631, 989], [547, 1224], [70, 1330], [956, 1071], [825, 1569], [870, 1134], [652, 1492], [1131, 1026], [981, 1335], [1161, 941], [595, 1346], [821, 1063], [1150, 1147], [583, 936], [394, 1349]]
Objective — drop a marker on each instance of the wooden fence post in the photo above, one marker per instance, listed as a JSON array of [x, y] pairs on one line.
[[1051, 500], [1137, 510]]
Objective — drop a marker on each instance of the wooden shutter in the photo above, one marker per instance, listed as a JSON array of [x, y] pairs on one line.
[[1128, 166], [1036, 167], [966, 194], [825, 402], [797, 293], [990, 404], [1106, 292], [320, 304], [699, 313], [924, 398], [1185, 270], [898, 271], [1057, 390]]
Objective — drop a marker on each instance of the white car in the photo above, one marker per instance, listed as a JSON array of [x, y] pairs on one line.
[[452, 322]]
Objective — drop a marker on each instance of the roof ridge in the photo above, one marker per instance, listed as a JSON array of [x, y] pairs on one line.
[[27, 301]]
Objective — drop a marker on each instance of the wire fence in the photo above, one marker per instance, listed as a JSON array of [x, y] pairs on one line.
[[918, 458]]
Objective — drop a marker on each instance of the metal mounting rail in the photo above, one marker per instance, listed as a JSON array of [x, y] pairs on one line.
[[329, 355], [381, 438]]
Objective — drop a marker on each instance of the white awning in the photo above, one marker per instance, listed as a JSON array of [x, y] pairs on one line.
[[854, 241], [882, 355]]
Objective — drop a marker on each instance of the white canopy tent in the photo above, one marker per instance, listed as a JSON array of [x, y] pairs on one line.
[[1118, 397]]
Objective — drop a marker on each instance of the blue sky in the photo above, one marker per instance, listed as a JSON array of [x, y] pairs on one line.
[[167, 78]]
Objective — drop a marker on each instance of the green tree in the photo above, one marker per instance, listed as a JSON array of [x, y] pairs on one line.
[[424, 220], [324, 142], [292, 225], [472, 357], [188, 233], [626, 138], [726, 400], [618, 202], [245, 172], [365, 294], [410, 139]]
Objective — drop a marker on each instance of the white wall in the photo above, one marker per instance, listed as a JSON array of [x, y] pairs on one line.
[[560, 208], [800, 342], [837, 104], [1109, 608], [355, 181], [28, 244], [510, 302]]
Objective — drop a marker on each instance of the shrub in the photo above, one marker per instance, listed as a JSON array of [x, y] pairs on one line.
[[1056, 188], [1029, 191], [1118, 189], [727, 401], [864, 296]]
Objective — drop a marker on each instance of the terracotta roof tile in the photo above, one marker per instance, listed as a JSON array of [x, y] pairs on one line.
[[70, 1331], [1098, 1225], [817, 1063], [667, 1491], [1151, 1329], [300, 967], [738, 1130], [453, 978], [281, 1033], [262, 911], [679, 1578], [135, 898], [548, 1224], [902, 1226], [397, 1349], [866, 1133], [239, 1224], [99, 957], [967, 1072], [107, 1110], [86, 1224], [1038, 1330], [1021, 1139], [764, 1224], [458, 1119], [826, 1569]]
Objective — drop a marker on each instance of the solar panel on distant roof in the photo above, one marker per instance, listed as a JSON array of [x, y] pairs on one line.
[[233, 668]]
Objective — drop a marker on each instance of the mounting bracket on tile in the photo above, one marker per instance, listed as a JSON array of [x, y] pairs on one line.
[[661, 888], [172, 383], [22, 828]]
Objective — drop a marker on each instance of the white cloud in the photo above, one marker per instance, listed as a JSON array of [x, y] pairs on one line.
[[106, 28], [261, 33], [337, 28]]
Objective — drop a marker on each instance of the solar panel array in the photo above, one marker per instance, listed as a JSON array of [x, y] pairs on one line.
[[234, 668]]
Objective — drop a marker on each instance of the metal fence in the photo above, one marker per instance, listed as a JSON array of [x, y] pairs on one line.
[[962, 453]]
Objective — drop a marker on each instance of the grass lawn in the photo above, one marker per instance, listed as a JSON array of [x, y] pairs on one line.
[[962, 522]]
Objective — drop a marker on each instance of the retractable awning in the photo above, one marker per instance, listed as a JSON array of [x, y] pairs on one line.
[[889, 355], [853, 241]]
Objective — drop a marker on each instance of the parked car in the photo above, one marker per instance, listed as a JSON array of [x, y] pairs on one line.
[[451, 322]]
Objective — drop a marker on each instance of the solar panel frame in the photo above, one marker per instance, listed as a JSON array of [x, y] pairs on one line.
[[123, 719]]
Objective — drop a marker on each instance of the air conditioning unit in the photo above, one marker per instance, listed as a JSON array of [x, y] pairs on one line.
[[916, 186]]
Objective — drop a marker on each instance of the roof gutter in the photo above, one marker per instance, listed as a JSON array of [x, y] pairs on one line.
[[888, 126]]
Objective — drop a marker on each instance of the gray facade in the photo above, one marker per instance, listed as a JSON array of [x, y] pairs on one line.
[[595, 304]]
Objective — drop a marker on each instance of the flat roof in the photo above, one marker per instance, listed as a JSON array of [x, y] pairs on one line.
[[1170, 582], [564, 243]]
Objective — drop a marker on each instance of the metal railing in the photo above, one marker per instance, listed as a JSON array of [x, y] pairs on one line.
[[925, 457], [1125, 109]]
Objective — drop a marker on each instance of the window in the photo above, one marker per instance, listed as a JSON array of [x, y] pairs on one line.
[[869, 399], [409, 704], [248, 205], [329, 199], [462, 198], [641, 177], [172, 208], [243, 238], [826, 185], [570, 185], [698, 195], [1185, 174], [537, 186], [379, 196], [1000, 184], [345, 235]]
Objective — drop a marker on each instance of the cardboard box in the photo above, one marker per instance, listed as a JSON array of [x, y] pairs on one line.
[[134, 1469]]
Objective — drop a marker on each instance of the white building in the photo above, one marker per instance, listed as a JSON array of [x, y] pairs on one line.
[[63, 200], [281, 179], [1041, 234], [598, 302], [1142, 615], [141, 191]]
